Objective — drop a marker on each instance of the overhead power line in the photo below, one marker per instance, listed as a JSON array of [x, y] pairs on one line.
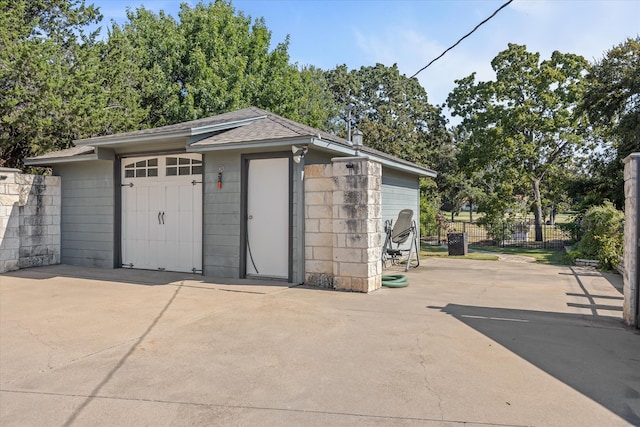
[[462, 38]]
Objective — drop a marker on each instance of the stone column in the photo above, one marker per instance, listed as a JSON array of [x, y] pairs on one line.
[[357, 224], [631, 238], [318, 225], [9, 219]]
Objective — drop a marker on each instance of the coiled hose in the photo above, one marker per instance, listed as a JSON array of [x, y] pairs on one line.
[[395, 281]]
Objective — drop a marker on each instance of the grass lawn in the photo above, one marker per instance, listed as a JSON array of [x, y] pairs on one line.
[[438, 251], [564, 217], [543, 256]]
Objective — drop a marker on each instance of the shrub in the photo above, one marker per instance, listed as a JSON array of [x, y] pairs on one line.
[[498, 229], [573, 228], [603, 234], [428, 217]]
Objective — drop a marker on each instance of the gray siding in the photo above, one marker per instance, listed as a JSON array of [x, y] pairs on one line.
[[221, 227], [400, 191], [87, 220]]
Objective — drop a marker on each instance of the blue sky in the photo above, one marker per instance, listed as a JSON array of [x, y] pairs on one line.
[[410, 33]]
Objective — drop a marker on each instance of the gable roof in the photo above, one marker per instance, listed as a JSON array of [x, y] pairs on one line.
[[249, 127]]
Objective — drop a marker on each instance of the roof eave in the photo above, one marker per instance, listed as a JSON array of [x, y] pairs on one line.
[[275, 143], [112, 140], [34, 161], [332, 146]]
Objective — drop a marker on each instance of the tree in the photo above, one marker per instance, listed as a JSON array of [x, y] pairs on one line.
[[47, 68], [121, 94], [456, 183], [612, 101], [213, 60], [524, 123], [392, 111]]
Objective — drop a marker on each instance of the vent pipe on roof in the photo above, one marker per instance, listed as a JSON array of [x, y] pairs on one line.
[[349, 109]]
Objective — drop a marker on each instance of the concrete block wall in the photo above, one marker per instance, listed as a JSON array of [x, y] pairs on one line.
[[343, 236], [631, 239], [29, 220]]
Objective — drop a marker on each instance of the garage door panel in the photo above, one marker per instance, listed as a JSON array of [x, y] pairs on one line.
[[161, 215]]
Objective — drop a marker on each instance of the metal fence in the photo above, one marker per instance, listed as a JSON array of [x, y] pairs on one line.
[[552, 236]]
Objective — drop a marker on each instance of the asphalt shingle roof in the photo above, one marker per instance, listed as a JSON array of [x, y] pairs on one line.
[[263, 126]]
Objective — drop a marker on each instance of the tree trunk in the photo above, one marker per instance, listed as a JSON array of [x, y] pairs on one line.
[[470, 211], [552, 216], [537, 209], [452, 214]]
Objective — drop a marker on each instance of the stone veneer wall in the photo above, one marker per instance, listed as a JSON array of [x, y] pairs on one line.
[[343, 225], [318, 237], [631, 239], [29, 220]]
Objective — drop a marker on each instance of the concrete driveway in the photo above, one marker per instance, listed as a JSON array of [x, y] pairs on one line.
[[467, 343]]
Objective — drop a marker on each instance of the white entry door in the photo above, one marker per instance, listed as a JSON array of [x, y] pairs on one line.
[[267, 251], [162, 213]]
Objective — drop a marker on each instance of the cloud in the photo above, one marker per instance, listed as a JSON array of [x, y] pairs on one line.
[[587, 28], [412, 50]]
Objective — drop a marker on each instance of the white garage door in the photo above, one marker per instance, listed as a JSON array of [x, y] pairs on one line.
[[162, 212]]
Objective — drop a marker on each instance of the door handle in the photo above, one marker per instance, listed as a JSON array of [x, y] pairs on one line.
[[159, 217], [162, 217]]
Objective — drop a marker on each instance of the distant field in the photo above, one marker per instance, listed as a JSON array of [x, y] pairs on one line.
[[464, 217]]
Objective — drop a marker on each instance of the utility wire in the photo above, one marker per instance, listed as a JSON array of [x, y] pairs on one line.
[[462, 38]]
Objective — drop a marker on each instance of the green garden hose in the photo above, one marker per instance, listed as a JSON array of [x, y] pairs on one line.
[[395, 281]]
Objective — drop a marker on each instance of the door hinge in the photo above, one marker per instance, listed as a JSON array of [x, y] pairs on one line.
[[130, 265], [195, 270], [127, 185], [160, 268], [194, 182]]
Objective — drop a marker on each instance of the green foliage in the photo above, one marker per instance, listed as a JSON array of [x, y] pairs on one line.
[[521, 128], [498, 228], [59, 84], [612, 102], [48, 74], [429, 207], [213, 60], [573, 227], [391, 110], [602, 234]]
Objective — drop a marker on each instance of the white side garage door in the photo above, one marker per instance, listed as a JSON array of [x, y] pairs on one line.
[[268, 218], [162, 212]]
